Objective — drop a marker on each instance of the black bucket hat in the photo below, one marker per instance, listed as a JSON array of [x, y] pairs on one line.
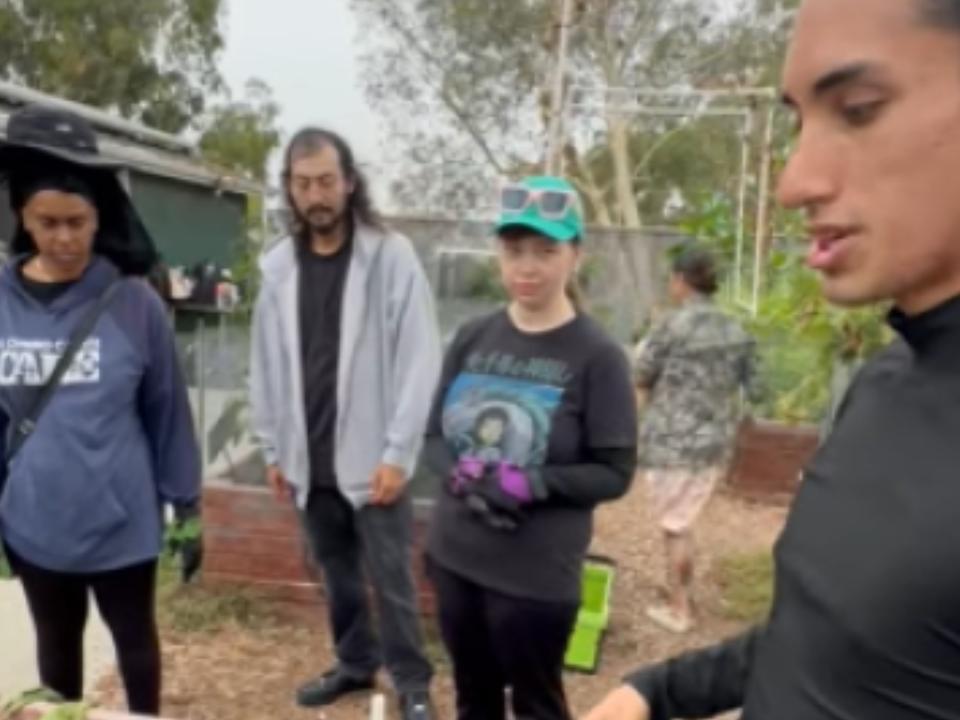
[[39, 138]]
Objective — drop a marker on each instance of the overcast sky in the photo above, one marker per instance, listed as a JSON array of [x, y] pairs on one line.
[[305, 50]]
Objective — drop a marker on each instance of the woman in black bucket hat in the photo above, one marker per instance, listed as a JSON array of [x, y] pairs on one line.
[[94, 417], [41, 142]]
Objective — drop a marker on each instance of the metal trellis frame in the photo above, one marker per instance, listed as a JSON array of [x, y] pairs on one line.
[[736, 104]]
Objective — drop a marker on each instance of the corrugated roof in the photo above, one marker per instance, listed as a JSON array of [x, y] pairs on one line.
[[133, 145]]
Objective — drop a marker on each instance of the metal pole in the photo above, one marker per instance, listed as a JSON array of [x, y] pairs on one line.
[[767, 93], [659, 111], [555, 135], [762, 208], [221, 333], [742, 209], [201, 341]]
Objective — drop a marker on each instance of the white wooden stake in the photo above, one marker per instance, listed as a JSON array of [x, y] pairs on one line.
[[378, 707]]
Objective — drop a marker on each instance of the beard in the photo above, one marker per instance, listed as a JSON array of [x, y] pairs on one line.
[[319, 219]]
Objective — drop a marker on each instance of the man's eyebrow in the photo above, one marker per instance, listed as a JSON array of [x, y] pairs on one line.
[[836, 78]]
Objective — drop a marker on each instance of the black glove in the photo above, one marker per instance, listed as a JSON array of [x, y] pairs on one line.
[[494, 507], [187, 540]]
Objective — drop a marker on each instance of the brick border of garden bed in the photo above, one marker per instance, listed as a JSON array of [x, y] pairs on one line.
[[252, 540], [769, 459]]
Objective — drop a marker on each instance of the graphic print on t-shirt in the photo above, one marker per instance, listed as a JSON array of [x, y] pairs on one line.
[[500, 419]]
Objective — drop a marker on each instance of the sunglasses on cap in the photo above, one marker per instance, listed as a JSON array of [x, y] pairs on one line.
[[550, 204]]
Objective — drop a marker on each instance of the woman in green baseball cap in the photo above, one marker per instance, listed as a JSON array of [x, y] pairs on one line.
[[533, 425]]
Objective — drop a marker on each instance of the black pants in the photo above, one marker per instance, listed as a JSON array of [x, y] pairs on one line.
[[341, 541], [497, 642], [59, 603]]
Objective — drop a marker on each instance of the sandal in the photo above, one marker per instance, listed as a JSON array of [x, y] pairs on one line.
[[669, 619]]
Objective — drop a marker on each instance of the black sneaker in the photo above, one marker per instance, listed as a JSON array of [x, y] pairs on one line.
[[416, 706], [330, 687]]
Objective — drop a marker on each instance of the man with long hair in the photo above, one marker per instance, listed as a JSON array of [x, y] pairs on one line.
[[345, 358]]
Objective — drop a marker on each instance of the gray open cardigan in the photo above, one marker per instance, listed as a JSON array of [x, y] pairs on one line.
[[389, 363]]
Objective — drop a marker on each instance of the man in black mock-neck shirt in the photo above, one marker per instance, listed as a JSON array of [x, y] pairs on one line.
[[866, 616]]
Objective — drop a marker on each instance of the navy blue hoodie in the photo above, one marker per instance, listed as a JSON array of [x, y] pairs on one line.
[[86, 491]]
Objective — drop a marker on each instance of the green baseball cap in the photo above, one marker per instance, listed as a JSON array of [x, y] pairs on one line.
[[554, 211]]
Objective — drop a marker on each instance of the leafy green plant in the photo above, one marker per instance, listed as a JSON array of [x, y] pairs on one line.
[[178, 533], [198, 609], [746, 583], [60, 711], [802, 339], [68, 711], [713, 223], [5, 572]]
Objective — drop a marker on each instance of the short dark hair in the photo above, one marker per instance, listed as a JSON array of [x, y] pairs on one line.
[[698, 268], [944, 14], [311, 140]]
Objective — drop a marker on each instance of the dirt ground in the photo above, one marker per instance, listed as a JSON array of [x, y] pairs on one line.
[[250, 673]]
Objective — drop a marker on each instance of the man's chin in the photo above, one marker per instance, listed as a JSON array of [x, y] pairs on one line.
[[325, 228], [846, 292]]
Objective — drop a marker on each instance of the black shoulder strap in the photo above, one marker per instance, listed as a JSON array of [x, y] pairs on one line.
[[26, 425]]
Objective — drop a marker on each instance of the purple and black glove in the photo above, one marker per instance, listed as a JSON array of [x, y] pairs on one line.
[[465, 473], [516, 483], [503, 493]]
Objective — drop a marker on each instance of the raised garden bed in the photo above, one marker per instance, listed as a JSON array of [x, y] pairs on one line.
[[769, 460], [253, 540]]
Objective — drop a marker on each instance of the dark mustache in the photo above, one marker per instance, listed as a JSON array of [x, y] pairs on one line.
[[318, 208]]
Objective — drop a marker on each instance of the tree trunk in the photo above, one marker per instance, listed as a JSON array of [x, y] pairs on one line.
[[641, 259]]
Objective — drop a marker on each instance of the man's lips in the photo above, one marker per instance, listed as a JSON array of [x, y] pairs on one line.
[[827, 246]]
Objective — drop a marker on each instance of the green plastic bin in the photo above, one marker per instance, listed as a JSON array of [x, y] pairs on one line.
[[583, 648]]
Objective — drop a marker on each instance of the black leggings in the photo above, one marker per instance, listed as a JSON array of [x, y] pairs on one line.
[[497, 642], [59, 603]]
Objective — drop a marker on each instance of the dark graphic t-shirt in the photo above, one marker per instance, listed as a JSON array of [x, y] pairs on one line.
[[556, 401]]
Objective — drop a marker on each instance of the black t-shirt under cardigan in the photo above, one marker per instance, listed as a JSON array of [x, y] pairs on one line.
[[322, 281]]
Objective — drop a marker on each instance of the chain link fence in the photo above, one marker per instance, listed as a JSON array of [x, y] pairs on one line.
[[622, 277]]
